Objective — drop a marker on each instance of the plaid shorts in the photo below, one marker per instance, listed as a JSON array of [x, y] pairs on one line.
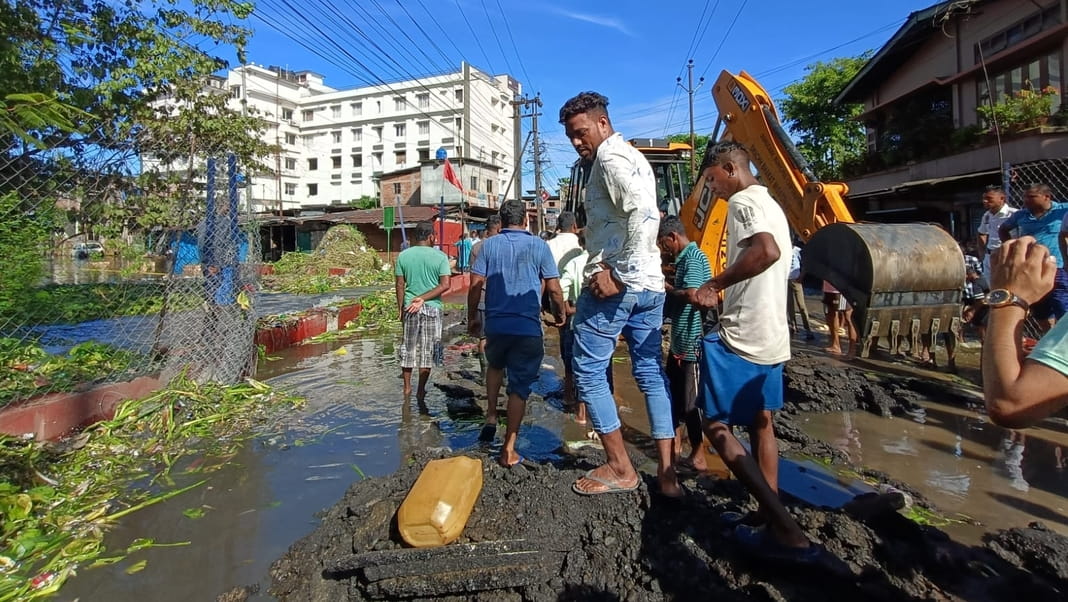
[[421, 347]]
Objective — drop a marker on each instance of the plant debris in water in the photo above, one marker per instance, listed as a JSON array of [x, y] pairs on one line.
[[342, 247], [27, 370], [58, 499]]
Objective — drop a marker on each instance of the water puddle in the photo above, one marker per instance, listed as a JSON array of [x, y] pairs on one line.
[[962, 463]]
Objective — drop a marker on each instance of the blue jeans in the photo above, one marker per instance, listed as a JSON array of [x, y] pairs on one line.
[[638, 316]]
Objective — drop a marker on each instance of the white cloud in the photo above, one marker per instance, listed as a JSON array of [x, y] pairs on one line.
[[609, 22]]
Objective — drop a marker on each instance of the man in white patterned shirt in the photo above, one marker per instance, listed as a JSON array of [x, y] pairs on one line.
[[997, 211], [623, 294]]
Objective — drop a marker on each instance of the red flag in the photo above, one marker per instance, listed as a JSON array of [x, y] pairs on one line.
[[451, 177]]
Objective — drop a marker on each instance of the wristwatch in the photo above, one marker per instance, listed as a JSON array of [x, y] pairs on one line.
[[1001, 297]]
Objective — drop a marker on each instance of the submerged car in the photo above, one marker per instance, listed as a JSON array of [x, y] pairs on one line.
[[85, 250]]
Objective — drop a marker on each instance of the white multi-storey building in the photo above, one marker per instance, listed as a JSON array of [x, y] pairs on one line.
[[333, 145]]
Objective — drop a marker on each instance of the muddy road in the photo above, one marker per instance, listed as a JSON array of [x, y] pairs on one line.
[[531, 538]]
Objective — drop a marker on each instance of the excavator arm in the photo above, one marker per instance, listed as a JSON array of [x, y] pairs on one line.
[[899, 278]]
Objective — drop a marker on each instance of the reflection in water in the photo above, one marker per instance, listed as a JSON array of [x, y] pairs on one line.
[[961, 462]]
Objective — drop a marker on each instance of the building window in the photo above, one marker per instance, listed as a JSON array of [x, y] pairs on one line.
[[291, 163], [313, 189], [357, 134], [459, 93], [474, 183], [489, 186], [335, 111], [424, 154], [459, 123], [235, 91], [424, 128], [423, 100], [378, 107], [357, 160], [336, 137], [400, 103], [357, 109], [396, 188], [400, 157], [291, 138], [1035, 74], [398, 130], [378, 133], [313, 164], [376, 160], [291, 188], [335, 162], [287, 114], [307, 114]]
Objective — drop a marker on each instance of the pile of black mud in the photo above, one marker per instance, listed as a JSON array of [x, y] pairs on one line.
[[531, 538]]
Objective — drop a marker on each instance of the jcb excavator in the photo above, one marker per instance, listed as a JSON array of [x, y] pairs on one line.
[[901, 279]]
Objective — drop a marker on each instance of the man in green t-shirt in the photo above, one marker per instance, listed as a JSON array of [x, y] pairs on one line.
[[422, 277], [691, 271]]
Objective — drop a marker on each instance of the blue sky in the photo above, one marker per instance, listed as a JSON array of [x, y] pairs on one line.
[[632, 51]]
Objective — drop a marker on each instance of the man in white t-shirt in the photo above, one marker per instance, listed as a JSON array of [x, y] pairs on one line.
[[742, 360], [997, 211]]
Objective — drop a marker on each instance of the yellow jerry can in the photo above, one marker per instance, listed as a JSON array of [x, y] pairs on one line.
[[439, 503]]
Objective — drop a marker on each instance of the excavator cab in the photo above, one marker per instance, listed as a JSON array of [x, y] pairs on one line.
[[901, 279], [671, 168]]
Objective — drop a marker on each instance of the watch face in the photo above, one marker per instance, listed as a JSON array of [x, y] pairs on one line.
[[998, 296]]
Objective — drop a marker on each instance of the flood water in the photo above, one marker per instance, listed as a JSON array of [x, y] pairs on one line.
[[356, 423], [962, 463]]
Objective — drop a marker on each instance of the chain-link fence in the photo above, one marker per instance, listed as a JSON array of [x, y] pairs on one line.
[[120, 263], [1020, 176]]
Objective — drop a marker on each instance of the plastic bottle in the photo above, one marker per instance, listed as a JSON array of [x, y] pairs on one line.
[[438, 505]]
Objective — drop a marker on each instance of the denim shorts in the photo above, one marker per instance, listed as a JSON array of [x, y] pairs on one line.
[[1055, 303], [519, 356], [733, 389]]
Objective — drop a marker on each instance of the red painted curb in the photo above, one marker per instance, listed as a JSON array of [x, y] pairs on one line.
[[54, 415]]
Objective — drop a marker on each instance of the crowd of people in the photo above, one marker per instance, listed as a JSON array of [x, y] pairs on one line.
[[729, 337]]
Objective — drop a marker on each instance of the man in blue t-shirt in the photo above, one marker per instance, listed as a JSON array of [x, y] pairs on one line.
[[1042, 218], [512, 267]]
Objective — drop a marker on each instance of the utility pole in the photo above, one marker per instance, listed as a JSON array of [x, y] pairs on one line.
[[535, 104], [693, 138]]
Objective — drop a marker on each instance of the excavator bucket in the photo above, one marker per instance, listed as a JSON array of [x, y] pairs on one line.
[[901, 279]]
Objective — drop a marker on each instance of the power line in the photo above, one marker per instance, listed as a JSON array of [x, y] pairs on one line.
[[727, 34], [485, 11], [474, 35], [515, 48]]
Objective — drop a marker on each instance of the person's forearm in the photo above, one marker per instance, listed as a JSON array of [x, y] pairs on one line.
[[1003, 233], [437, 291], [399, 289], [753, 260], [1002, 360], [474, 295], [980, 249]]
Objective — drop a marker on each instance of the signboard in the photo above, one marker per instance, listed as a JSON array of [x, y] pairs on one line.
[[544, 195], [387, 218]]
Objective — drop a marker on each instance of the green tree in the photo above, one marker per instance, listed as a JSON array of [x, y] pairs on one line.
[[827, 134], [700, 146], [136, 78]]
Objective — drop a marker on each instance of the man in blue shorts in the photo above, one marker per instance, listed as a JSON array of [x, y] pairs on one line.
[[742, 360], [512, 266], [1043, 219]]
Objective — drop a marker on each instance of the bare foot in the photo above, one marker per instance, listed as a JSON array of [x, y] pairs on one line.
[[696, 460], [606, 481], [833, 350], [509, 458]]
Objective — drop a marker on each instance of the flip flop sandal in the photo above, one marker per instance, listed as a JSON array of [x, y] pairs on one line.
[[758, 542], [730, 520], [611, 487], [488, 432]]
